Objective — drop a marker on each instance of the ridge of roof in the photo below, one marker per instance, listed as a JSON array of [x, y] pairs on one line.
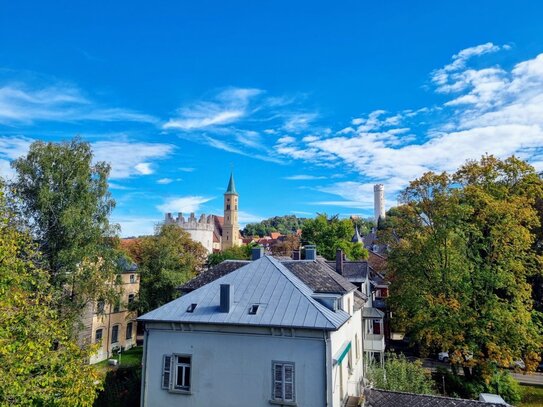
[[286, 301]]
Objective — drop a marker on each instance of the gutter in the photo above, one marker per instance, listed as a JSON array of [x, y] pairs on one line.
[[143, 366], [328, 369]]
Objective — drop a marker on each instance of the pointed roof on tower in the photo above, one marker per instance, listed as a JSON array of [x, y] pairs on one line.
[[231, 186], [356, 237]]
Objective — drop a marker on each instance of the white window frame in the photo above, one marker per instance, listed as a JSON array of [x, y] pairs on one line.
[[283, 383], [170, 365], [132, 278]]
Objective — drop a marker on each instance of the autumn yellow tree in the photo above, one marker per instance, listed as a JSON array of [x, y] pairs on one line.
[[461, 267], [40, 364]]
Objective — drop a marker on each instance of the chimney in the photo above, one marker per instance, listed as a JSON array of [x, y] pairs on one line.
[[310, 252], [227, 292], [295, 255], [339, 261], [257, 252]]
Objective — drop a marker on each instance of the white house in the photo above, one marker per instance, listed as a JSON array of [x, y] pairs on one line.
[[271, 332]]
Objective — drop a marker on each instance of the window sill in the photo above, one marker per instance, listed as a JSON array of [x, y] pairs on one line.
[[185, 392], [283, 403]]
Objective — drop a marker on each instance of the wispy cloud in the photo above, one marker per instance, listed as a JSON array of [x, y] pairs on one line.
[[166, 181], [186, 204], [304, 177], [491, 110], [227, 107], [21, 103], [241, 121], [130, 158]]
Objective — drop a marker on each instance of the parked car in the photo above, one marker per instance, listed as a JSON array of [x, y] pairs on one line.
[[540, 367], [518, 364], [443, 357]]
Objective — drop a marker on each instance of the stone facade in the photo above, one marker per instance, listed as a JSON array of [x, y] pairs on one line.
[[200, 230], [113, 327]]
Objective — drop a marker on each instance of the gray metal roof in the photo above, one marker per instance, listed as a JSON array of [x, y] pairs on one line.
[[371, 312], [283, 299]]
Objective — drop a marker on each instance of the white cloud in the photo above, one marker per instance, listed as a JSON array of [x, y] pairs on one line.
[[185, 204], [227, 107], [303, 177], [166, 181], [493, 110], [135, 225], [20, 103], [143, 168], [186, 169], [299, 121], [245, 217], [128, 158]]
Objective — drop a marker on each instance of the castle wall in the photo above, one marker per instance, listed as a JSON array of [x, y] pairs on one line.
[[200, 230]]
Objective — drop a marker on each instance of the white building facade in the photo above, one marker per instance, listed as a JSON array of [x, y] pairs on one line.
[[261, 335]]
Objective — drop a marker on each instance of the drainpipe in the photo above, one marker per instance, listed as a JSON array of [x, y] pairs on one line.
[[328, 367], [144, 366]]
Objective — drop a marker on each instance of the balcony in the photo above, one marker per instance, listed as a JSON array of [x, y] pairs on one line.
[[374, 343]]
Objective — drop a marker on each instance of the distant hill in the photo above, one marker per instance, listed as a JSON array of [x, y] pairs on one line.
[[286, 225]]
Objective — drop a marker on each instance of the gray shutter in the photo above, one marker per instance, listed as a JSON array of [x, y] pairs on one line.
[[289, 382], [166, 371], [277, 381]]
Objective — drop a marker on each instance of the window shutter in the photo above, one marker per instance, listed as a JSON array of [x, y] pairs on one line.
[[278, 381], [166, 371], [289, 382]]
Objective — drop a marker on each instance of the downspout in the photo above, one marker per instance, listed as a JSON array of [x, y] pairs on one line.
[[328, 368], [144, 366]]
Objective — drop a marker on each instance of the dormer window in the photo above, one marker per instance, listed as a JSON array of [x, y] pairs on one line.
[[253, 310]]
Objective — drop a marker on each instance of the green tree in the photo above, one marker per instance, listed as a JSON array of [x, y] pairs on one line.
[[168, 259], [461, 266], [330, 234], [40, 363], [64, 198], [286, 225], [233, 253], [399, 374]]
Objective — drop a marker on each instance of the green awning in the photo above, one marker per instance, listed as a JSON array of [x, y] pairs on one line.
[[342, 353]]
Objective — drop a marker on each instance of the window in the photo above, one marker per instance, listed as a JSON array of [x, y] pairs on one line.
[[115, 334], [132, 278], [181, 372], [283, 381], [130, 298], [98, 335], [100, 306], [117, 307], [176, 373], [129, 330], [228, 207]]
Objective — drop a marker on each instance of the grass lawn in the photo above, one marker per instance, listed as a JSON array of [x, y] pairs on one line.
[[532, 396], [131, 357]]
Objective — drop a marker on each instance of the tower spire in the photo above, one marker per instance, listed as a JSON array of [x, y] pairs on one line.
[[231, 189]]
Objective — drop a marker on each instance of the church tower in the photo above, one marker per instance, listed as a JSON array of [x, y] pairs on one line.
[[230, 229]]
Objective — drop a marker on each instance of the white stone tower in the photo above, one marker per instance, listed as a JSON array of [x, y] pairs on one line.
[[378, 202], [230, 229]]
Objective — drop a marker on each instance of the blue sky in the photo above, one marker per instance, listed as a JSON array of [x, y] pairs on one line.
[[311, 103]]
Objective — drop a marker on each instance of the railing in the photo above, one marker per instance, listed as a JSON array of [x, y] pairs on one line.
[[374, 343]]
